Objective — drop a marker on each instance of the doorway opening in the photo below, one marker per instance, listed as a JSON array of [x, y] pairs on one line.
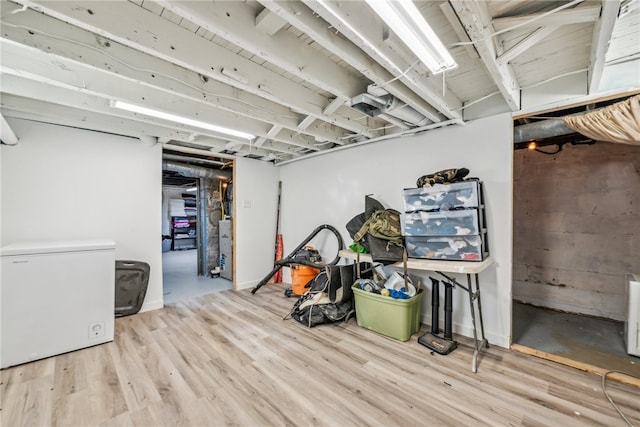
[[197, 194], [575, 222]]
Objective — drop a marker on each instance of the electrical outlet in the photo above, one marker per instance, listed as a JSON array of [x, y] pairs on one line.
[[96, 330]]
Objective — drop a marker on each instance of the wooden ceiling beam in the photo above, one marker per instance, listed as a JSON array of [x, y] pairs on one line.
[[600, 44], [235, 23], [269, 23], [301, 17], [82, 50], [120, 22], [365, 30], [577, 15], [476, 21], [529, 41], [32, 86]]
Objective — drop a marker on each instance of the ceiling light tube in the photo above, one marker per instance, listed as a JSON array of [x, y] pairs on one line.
[[350, 27], [179, 119], [404, 19]]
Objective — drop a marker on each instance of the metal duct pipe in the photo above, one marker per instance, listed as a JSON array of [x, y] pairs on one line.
[[542, 129], [368, 104], [191, 171], [397, 122], [388, 105], [394, 107]]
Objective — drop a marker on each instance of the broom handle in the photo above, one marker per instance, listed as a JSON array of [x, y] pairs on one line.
[[278, 273]]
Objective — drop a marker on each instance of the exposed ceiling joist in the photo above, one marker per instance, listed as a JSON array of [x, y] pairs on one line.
[[20, 107], [304, 76], [269, 23], [184, 48], [578, 15], [526, 43], [451, 16], [218, 146], [199, 152], [600, 44], [274, 131], [306, 122], [476, 20], [367, 32], [72, 95], [235, 23], [302, 18], [69, 43], [333, 106], [21, 85]]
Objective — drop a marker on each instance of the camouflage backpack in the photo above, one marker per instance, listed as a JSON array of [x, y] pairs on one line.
[[446, 176], [383, 224]]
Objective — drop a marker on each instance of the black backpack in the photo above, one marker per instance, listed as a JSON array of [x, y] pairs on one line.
[[380, 232]]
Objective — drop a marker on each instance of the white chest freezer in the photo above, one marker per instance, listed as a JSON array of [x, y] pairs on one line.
[[55, 297]]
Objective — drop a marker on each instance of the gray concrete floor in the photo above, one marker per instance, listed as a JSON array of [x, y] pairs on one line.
[[180, 277], [594, 341]]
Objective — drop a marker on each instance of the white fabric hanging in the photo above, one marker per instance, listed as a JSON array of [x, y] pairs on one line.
[[619, 122]]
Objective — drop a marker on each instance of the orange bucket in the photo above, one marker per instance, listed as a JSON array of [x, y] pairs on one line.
[[300, 276]]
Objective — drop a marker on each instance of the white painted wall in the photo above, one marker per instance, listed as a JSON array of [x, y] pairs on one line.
[[330, 189], [65, 183], [256, 197], [68, 183]]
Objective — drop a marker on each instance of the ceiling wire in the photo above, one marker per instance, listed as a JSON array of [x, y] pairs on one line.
[[513, 27], [523, 87], [554, 78], [469, 104], [399, 76]]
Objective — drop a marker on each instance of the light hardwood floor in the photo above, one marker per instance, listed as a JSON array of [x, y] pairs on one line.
[[228, 358]]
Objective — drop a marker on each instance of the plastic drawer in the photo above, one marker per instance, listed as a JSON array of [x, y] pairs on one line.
[[458, 248], [463, 222], [466, 194]]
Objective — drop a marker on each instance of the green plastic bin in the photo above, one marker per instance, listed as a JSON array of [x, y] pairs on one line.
[[395, 318]]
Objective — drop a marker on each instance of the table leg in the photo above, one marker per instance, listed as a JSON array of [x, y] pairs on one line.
[[474, 364], [474, 293]]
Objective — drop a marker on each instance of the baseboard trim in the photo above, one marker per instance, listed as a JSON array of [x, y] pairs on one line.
[[151, 305], [625, 379]]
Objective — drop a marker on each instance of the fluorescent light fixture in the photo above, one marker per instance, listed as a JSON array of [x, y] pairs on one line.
[[350, 27], [404, 19], [178, 119]]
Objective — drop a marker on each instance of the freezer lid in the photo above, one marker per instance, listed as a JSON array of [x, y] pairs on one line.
[[56, 246]]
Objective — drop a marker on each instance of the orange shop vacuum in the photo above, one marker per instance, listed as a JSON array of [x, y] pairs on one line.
[[301, 275]]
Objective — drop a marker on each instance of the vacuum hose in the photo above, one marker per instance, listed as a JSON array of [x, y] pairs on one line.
[[290, 258]]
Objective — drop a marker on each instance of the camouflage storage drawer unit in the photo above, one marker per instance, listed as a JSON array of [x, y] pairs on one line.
[[445, 222], [466, 194]]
